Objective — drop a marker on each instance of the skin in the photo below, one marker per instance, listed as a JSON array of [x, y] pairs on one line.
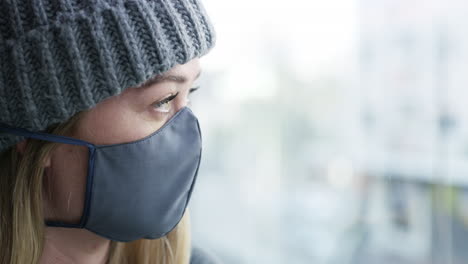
[[126, 117]]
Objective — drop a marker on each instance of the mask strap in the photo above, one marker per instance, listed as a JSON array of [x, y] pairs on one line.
[[43, 136], [66, 140]]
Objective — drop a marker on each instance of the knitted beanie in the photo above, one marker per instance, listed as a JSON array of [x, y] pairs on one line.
[[59, 57]]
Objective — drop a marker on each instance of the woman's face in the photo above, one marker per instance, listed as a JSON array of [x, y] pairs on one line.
[[129, 116]]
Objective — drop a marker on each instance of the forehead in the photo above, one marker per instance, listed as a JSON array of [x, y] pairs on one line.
[[182, 74]]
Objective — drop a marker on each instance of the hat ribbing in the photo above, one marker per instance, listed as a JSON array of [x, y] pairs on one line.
[[59, 57]]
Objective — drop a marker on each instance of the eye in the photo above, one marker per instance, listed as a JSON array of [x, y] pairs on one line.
[[164, 105], [189, 102], [194, 89]]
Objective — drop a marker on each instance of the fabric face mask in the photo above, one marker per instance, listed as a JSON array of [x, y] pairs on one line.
[[139, 189]]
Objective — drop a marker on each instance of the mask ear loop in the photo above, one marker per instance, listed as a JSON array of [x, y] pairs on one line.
[[43, 136], [65, 140]]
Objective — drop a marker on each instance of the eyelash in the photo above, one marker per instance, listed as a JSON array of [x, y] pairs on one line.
[[172, 97], [165, 100]]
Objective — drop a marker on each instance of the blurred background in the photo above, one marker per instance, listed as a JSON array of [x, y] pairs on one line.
[[334, 132]]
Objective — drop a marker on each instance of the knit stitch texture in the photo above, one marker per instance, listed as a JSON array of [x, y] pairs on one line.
[[59, 57]]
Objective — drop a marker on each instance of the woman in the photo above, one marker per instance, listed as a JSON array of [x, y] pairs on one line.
[[99, 153]]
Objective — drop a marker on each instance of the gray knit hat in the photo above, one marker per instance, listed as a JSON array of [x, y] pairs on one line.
[[59, 57]]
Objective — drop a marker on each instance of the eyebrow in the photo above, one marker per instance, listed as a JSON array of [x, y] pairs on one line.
[[166, 77]]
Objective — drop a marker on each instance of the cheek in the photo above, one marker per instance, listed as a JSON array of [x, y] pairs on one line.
[[65, 183], [113, 125]]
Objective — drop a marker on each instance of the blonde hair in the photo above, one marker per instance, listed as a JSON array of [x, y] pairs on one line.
[[22, 221]]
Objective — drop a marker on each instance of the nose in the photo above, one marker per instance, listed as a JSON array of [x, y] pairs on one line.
[[181, 100]]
